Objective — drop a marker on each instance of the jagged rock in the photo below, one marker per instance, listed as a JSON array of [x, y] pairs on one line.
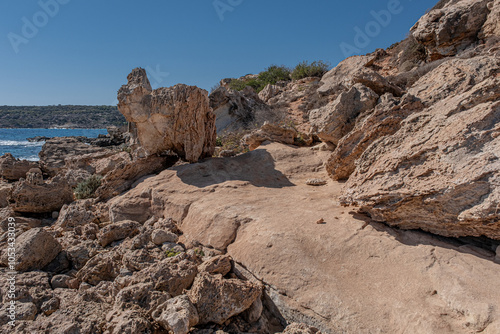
[[78, 213], [269, 132], [220, 264], [178, 118], [177, 315], [440, 171], [218, 299], [142, 295], [235, 110], [335, 120], [354, 70], [370, 126], [492, 25], [81, 253], [56, 150], [171, 275], [161, 236], [50, 306], [44, 198], [13, 169], [453, 77], [269, 92], [118, 231], [127, 322], [446, 31], [102, 267], [60, 281], [35, 249]]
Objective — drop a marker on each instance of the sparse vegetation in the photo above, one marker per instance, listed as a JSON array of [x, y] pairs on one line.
[[232, 141], [88, 187], [314, 69], [171, 253]]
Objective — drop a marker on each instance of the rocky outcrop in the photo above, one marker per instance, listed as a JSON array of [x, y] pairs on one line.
[[451, 29], [440, 171], [236, 110], [13, 169], [36, 196], [491, 27], [370, 126], [352, 71], [337, 119], [275, 133], [55, 151], [5, 189], [178, 118], [177, 315]]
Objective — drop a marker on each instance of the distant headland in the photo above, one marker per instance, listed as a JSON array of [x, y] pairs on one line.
[[60, 116]]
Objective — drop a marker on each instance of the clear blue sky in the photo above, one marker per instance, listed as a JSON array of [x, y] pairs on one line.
[[81, 52]]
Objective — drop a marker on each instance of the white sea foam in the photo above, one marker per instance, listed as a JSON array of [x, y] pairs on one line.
[[24, 143]]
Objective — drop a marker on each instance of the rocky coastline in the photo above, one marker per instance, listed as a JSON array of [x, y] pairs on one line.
[[363, 201]]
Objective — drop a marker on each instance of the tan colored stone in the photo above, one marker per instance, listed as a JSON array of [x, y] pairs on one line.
[[216, 265], [177, 315], [118, 231], [177, 118], [218, 299], [13, 169]]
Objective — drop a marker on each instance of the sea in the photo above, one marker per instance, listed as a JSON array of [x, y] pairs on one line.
[[15, 141]]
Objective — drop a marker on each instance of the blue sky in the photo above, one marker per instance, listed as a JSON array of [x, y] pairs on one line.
[[80, 51]]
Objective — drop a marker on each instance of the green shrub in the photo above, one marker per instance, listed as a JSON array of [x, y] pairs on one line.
[[273, 74], [171, 253], [314, 69], [87, 188]]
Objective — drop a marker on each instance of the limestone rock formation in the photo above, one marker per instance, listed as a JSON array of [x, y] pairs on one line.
[[451, 29], [33, 197], [440, 171], [235, 110], [34, 250], [269, 132], [337, 119], [118, 231], [13, 169], [177, 315], [383, 120], [355, 70], [491, 27], [217, 299], [178, 118]]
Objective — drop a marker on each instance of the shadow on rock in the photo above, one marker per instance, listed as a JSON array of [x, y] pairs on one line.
[[256, 167]]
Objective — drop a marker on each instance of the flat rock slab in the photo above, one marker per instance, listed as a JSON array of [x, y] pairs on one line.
[[342, 276]]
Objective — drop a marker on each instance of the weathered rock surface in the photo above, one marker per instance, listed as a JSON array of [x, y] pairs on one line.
[[5, 189], [491, 27], [263, 228], [33, 197], [236, 110], [118, 231], [13, 169], [177, 315], [446, 31], [337, 119], [34, 250], [384, 120], [440, 171], [355, 70], [217, 299], [178, 118], [269, 132]]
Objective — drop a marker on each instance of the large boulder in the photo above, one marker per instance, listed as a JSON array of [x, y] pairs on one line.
[[336, 119], [178, 118], [13, 169], [218, 299], [35, 249], [440, 172], [449, 30], [177, 315], [31, 196]]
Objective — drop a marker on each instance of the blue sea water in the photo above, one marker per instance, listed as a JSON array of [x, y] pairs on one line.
[[15, 141]]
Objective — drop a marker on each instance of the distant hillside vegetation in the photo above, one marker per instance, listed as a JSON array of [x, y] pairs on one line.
[[69, 116]]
